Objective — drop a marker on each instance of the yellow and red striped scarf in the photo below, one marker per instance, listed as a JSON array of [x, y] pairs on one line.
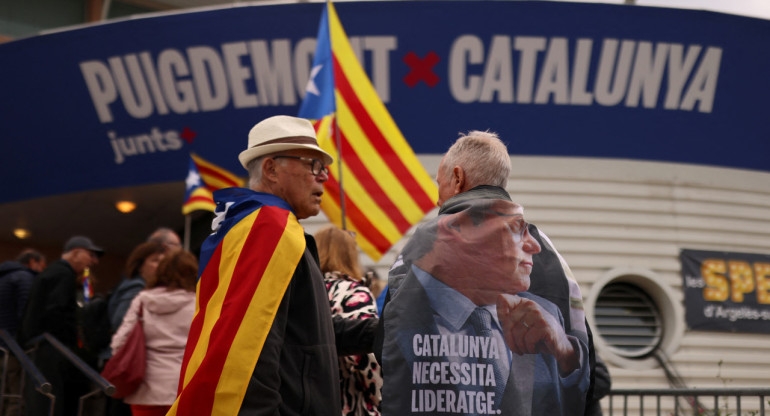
[[246, 266]]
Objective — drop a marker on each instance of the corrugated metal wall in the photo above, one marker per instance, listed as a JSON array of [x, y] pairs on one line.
[[611, 214]]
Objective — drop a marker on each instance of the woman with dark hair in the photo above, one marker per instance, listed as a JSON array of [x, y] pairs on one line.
[[360, 378], [141, 268], [167, 307]]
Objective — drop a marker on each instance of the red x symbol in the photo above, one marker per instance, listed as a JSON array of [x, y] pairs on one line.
[[421, 69], [188, 135]]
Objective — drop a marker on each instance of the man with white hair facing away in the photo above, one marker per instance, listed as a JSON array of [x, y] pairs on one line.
[[473, 173], [263, 339]]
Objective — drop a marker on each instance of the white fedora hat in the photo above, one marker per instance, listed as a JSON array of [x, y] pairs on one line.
[[279, 133]]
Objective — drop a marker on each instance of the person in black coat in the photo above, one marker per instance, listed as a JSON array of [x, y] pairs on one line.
[[15, 281], [284, 359], [53, 308]]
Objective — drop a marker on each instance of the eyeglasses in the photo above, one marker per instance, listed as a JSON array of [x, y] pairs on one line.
[[316, 166], [518, 226]]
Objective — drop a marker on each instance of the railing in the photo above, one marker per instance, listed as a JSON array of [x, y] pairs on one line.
[[625, 402], [102, 385], [39, 381], [688, 401]]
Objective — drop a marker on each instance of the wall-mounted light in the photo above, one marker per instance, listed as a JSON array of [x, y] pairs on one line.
[[125, 206], [21, 233]]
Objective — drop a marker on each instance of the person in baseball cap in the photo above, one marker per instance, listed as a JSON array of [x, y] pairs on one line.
[[81, 253], [80, 241], [53, 308]]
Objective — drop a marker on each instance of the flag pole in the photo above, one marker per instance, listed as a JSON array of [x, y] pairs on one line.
[[187, 226], [339, 170]]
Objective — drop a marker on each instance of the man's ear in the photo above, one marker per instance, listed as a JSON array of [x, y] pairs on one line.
[[269, 169], [458, 179]]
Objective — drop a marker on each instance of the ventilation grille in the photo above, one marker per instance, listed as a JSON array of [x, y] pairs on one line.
[[628, 320]]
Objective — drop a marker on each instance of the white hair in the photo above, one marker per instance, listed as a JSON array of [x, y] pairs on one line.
[[254, 168], [483, 157]]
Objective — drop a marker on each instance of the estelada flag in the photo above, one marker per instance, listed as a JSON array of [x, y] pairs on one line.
[[203, 178], [386, 189], [215, 177], [245, 268]]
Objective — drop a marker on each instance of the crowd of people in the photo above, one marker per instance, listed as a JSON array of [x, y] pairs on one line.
[[38, 298], [481, 314]]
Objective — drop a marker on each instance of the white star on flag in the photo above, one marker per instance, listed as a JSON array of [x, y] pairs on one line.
[[311, 87], [193, 179]]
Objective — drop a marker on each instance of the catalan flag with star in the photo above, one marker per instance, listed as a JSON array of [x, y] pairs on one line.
[[245, 268], [386, 189], [203, 178]]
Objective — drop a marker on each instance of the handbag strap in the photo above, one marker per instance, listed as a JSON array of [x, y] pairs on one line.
[[141, 309]]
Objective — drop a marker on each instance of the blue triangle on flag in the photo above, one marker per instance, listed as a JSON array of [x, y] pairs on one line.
[[319, 93]]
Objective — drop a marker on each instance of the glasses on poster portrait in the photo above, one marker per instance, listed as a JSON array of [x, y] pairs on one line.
[[316, 165], [517, 226]]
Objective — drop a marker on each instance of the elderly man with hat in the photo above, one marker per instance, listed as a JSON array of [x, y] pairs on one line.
[[53, 307], [263, 338]]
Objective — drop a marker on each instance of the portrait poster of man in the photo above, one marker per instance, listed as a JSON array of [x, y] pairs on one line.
[[463, 336]]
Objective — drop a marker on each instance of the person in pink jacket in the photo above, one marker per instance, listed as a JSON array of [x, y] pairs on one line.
[[168, 307]]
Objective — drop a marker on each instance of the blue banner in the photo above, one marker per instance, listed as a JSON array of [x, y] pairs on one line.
[[123, 103]]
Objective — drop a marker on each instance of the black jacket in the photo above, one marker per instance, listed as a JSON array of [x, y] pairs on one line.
[[15, 282], [297, 372], [52, 306]]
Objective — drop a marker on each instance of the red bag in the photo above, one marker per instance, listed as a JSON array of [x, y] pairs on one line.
[[125, 370]]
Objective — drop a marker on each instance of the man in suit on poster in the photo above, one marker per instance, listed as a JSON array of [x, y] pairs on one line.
[[478, 248]]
